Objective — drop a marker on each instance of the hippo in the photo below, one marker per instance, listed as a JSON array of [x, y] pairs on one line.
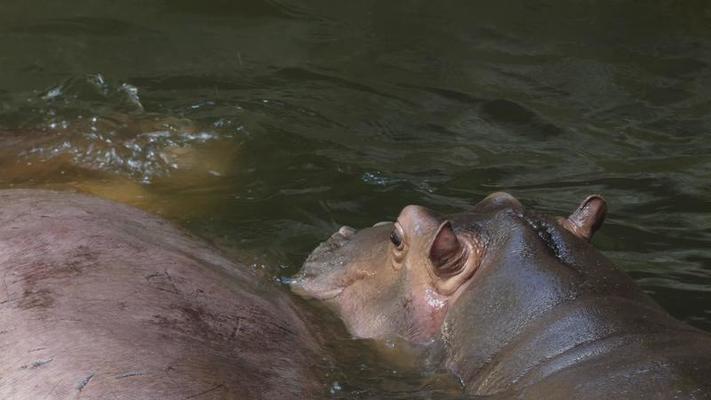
[[100, 300], [516, 304]]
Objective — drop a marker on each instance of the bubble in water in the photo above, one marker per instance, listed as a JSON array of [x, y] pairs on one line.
[[52, 93], [335, 387], [377, 178]]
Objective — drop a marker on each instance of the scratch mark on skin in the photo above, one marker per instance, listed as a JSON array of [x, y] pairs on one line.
[[130, 374], [36, 349], [37, 364], [7, 291], [8, 297], [82, 383], [162, 281], [212, 389], [237, 330], [167, 372]]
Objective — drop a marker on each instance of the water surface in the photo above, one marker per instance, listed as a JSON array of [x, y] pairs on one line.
[[264, 125]]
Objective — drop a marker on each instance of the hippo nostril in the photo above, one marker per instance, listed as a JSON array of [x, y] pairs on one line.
[[346, 231]]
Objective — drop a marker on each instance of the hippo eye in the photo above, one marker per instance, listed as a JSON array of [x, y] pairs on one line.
[[396, 239]]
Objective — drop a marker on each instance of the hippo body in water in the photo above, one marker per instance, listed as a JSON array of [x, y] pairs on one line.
[[102, 301], [517, 305]]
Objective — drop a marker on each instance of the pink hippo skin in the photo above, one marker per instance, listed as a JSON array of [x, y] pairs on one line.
[[102, 301], [518, 305]]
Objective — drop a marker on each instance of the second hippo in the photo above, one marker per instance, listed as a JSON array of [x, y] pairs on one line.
[[99, 300], [518, 305]]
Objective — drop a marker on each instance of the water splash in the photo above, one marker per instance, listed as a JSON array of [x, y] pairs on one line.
[[94, 124], [146, 155], [93, 87]]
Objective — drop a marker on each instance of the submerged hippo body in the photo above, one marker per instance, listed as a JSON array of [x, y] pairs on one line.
[[103, 301], [518, 305]]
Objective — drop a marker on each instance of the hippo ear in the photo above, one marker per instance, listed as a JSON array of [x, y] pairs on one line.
[[446, 252], [588, 218]]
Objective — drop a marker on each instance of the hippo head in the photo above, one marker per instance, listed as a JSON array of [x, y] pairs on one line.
[[404, 278]]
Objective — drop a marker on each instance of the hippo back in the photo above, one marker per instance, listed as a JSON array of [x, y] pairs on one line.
[[104, 301]]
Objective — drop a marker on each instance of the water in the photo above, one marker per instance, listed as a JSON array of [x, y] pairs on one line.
[[264, 125]]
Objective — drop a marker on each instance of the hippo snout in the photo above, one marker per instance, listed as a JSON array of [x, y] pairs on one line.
[[319, 277], [341, 260]]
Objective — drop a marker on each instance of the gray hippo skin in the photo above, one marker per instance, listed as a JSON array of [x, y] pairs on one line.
[[102, 301], [518, 305]]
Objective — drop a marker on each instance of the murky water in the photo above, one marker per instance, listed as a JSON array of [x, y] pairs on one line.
[[265, 125]]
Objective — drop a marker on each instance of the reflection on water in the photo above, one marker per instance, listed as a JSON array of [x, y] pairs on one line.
[[266, 124]]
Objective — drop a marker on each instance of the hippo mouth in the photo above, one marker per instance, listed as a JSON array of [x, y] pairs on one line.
[[307, 287], [301, 287], [331, 294]]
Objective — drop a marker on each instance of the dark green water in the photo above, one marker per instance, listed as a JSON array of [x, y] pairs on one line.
[[265, 125]]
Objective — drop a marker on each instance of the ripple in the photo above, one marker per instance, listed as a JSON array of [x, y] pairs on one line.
[[78, 26]]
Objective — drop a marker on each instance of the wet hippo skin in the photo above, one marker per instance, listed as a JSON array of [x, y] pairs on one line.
[[102, 301], [518, 305]]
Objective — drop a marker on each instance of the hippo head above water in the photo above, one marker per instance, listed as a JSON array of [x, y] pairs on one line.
[[403, 278], [513, 297]]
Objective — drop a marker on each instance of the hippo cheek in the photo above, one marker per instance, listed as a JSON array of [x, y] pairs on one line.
[[361, 318], [427, 311], [416, 318]]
